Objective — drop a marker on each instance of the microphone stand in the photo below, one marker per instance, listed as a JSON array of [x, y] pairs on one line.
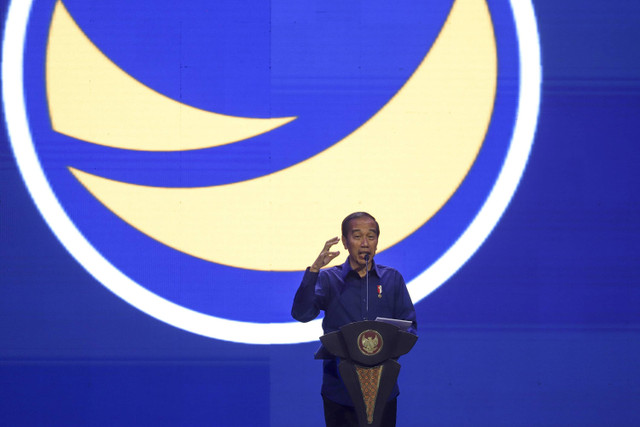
[[366, 259]]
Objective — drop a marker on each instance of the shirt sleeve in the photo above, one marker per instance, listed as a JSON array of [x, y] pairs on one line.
[[404, 306], [304, 307]]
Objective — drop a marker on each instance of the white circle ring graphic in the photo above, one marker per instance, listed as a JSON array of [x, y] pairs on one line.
[[247, 332]]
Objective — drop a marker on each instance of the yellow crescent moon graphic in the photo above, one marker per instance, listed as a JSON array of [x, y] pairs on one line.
[[402, 165], [92, 99]]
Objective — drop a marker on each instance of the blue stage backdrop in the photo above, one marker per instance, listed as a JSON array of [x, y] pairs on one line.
[[169, 169]]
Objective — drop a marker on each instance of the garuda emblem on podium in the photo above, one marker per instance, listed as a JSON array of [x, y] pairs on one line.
[[370, 342]]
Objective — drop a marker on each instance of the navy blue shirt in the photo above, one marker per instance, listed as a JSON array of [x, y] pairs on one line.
[[345, 298]]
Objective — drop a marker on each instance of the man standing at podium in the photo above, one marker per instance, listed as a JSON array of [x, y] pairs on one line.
[[359, 289]]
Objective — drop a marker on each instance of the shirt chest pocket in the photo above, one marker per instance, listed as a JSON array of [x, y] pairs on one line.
[[384, 305]]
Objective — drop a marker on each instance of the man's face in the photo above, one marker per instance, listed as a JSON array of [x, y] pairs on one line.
[[361, 240]]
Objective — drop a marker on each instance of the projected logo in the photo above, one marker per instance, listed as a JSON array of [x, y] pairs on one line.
[[195, 157]]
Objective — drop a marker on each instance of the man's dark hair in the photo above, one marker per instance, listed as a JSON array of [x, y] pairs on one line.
[[355, 215]]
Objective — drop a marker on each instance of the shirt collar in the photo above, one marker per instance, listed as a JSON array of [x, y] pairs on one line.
[[346, 269]]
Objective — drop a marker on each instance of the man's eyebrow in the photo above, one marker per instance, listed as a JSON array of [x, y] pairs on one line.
[[357, 230]]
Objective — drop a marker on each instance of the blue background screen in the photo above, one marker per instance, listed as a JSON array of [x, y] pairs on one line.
[[541, 326]]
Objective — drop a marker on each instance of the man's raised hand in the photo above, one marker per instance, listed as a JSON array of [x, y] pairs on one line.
[[325, 256]]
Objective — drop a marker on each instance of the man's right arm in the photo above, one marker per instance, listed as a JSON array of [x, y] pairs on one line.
[[304, 303]]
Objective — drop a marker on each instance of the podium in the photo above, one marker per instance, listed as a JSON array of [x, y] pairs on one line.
[[368, 351]]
